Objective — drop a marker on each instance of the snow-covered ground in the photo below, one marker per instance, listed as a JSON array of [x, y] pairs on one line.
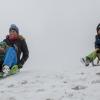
[[58, 33], [31, 84]]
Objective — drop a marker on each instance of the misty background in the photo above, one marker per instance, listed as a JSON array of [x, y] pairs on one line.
[[58, 32]]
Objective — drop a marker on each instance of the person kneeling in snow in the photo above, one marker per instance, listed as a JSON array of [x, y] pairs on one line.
[[13, 50], [96, 53]]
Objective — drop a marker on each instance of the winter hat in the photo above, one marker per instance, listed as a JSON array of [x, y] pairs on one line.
[[98, 27], [14, 27]]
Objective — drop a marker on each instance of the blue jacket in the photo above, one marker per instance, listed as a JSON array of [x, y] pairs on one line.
[[97, 41]]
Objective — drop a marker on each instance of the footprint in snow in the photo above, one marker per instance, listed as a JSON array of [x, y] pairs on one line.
[[12, 98], [11, 85], [65, 82], [95, 81], [24, 82], [98, 73], [40, 90], [69, 94], [1, 91], [79, 87], [49, 99]]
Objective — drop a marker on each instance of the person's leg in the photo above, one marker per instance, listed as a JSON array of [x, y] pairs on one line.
[[98, 56], [92, 56], [10, 58]]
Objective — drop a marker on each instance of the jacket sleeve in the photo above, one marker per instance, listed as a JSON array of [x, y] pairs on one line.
[[97, 42], [25, 52]]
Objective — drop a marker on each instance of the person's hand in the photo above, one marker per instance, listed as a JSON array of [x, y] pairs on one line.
[[97, 50], [20, 66]]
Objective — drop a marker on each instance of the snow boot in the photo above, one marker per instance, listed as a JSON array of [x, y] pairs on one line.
[[5, 70], [14, 69], [86, 61]]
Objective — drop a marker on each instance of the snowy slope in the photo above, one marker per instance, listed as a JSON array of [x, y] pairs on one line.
[[58, 33], [81, 84]]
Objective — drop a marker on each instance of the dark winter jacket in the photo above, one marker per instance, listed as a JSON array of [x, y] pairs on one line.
[[97, 41], [21, 48]]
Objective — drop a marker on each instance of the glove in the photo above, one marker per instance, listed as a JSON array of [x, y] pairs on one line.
[[20, 66]]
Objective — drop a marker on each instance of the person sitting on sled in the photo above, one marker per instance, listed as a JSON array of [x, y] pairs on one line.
[[13, 50], [96, 53]]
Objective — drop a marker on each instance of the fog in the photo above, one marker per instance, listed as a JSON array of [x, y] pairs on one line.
[[58, 32]]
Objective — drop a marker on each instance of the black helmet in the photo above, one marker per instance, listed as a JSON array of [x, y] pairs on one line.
[[98, 27]]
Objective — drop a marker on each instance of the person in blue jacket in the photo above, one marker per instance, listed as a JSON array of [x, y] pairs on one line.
[[96, 53]]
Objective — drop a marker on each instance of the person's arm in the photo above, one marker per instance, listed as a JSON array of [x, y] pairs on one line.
[[97, 42], [25, 52], [3, 46]]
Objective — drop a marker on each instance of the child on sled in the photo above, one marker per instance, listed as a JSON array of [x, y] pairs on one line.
[[96, 53]]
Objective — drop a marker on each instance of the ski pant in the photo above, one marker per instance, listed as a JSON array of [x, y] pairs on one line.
[[92, 56], [10, 57]]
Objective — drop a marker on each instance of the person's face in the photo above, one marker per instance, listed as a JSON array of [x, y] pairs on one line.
[[13, 34], [99, 32]]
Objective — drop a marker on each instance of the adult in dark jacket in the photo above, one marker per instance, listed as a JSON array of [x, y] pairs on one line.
[[96, 53], [17, 51]]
